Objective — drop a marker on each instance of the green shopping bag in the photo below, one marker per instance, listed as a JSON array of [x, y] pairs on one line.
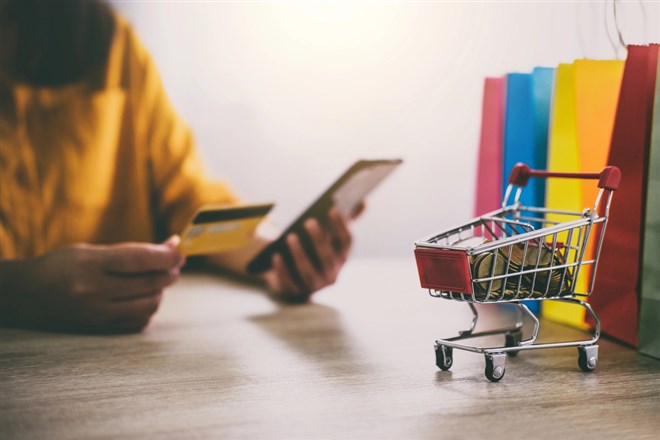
[[649, 312]]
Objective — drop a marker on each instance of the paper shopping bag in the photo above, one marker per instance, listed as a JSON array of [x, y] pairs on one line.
[[527, 110], [649, 311], [615, 296], [597, 87], [585, 100], [564, 194], [489, 169], [526, 127]]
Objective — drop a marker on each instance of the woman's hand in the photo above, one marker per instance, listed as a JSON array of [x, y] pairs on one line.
[[331, 245], [84, 287]]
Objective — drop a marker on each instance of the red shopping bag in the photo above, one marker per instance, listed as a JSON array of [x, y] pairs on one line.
[[616, 291]]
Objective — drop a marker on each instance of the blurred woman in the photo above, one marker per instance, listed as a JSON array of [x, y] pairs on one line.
[[96, 167]]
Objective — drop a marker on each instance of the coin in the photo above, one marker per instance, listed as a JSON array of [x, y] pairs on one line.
[[512, 261]]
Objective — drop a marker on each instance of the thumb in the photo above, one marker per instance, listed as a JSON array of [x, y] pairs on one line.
[[358, 210], [173, 242]]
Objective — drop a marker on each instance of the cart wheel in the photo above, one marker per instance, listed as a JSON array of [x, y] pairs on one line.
[[588, 357], [443, 357], [512, 339], [495, 367]]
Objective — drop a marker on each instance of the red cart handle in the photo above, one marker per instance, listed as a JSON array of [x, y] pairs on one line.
[[609, 178]]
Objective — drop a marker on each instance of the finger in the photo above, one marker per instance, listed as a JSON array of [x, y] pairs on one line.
[[281, 282], [342, 238], [124, 287], [322, 246], [138, 310], [306, 271], [273, 281], [128, 326], [358, 210], [131, 325], [140, 257]]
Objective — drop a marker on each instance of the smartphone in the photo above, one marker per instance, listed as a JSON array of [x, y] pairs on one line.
[[346, 193]]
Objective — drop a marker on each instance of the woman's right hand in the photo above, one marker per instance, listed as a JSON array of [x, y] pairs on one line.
[[82, 287]]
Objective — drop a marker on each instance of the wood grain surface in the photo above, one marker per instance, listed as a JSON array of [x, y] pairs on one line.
[[220, 360]]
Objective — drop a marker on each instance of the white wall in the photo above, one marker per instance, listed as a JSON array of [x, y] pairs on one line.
[[284, 96]]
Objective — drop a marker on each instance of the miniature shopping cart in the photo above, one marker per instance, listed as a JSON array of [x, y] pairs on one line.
[[519, 253]]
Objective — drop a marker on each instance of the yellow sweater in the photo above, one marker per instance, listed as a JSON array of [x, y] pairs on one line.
[[100, 161]]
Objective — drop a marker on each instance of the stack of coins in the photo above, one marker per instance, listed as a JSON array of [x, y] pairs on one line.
[[511, 261]]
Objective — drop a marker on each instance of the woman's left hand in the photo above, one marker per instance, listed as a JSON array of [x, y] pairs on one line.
[[331, 244]]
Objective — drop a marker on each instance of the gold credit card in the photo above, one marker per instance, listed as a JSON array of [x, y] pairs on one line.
[[216, 229]]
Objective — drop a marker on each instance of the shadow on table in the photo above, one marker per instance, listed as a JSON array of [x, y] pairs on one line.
[[316, 332]]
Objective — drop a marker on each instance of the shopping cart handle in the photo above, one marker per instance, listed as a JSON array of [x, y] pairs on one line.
[[609, 178]]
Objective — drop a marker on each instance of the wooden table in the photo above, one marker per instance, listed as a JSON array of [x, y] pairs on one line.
[[222, 361]]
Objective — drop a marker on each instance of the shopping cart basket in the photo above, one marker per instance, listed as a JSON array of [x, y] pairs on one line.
[[519, 253]]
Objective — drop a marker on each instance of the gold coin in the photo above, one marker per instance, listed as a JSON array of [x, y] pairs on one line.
[[513, 259]]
